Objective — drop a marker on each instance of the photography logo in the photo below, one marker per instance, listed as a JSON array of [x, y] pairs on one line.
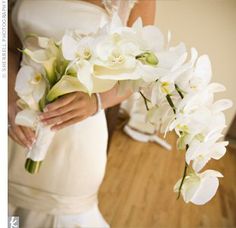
[[13, 222]]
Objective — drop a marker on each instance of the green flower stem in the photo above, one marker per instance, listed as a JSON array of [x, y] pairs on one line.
[[182, 181], [179, 91], [32, 166], [187, 146], [168, 97], [145, 100], [184, 175]]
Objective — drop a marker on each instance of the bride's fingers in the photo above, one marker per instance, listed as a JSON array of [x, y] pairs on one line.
[[18, 132], [30, 134], [14, 138], [58, 112], [59, 103], [68, 123], [63, 118]]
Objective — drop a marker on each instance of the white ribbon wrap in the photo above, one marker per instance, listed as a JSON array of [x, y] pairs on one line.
[[44, 137]]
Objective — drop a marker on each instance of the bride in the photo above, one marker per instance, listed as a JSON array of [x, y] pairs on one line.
[[64, 192]]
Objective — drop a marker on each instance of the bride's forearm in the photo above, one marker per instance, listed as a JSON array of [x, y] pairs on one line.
[[13, 65], [13, 60], [111, 97]]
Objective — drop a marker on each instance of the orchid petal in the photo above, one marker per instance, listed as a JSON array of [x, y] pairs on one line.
[[153, 37], [84, 75], [69, 47], [206, 191], [203, 68], [219, 150], [222, 105], [138, 24]]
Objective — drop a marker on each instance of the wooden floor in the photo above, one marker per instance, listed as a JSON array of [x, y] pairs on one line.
[[137, 191]]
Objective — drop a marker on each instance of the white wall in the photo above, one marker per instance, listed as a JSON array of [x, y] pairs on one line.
[[209, 26]]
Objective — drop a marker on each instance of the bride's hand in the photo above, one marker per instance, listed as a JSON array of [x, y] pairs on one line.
[[69, 109], [22, 135]]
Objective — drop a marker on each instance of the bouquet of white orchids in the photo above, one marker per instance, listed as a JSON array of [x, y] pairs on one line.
[[177, 91]]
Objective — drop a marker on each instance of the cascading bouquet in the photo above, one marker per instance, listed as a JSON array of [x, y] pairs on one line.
[[177, 91]]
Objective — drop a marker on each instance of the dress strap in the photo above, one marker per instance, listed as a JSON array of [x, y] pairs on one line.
[[122, 7]]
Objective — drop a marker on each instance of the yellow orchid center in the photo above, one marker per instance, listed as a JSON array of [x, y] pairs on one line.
[[116, 38], [201, 157], [200, 137], [183, 128], [165, 87], [78, 55], [116, 58], [87, 53]]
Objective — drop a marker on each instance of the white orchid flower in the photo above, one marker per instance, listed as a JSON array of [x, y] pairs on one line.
[[197, 116], [116, 59], [128, 53], [197, 77], [161, 116], [201, 152], [148, 37], [80, 53], [30, 86], [199, 188], [198, 123], [170, 66]]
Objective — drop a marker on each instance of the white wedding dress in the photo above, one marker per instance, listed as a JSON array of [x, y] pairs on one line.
[[64, 192]]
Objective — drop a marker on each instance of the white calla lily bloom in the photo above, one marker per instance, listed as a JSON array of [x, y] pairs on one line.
[[199, 188]]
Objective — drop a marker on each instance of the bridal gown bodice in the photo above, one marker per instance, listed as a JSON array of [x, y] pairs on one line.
[[52, 18], [74, 167]]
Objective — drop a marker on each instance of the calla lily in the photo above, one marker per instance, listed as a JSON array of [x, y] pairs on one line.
[[145, 72], [30, 86], [67, 84], [199, 188], [41, 57], [46, 57]]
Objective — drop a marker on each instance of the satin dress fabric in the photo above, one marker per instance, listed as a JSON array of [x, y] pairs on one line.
[[64, 192]]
